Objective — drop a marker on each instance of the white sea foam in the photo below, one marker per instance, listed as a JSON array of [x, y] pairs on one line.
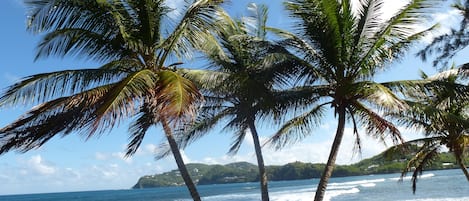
[[339, 187], [308, 195], [331, 194], [354, 184], [442, 199], [368, 185], [359, 182], [423, 176], [304, 196], [243, 196]]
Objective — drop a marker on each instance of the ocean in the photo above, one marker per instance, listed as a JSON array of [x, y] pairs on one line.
[[443, 185]]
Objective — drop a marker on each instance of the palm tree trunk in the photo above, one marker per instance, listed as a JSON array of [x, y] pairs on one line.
[[463, 167], [321, 190], [260, 162], [179, 161]]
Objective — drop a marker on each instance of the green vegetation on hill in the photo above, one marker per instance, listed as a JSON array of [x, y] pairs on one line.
[[245, 172]]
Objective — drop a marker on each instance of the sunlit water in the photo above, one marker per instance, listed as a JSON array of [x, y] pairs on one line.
[[447, 185]]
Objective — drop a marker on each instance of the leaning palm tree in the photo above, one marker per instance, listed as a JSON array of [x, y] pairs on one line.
[[345, 46], [239, 88], [135, 40], [441, 113]]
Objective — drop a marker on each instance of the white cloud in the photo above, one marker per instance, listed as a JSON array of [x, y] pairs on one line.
[[108, 173], [391, 7], [151, 148], [313, 152], [446, 16], [37, 164], [185, 158], [446, 20], [101, 156]]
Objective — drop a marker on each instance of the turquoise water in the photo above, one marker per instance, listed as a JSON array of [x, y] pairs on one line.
[[446, 185]]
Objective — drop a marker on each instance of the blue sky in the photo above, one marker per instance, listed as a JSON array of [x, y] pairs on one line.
[[71, 164]]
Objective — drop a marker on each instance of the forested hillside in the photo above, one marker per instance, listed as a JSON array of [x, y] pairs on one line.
[[245, 172]]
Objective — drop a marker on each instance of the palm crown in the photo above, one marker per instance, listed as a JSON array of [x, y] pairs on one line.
[[135, 40], [135, 80], [440, 111], [345, 45]]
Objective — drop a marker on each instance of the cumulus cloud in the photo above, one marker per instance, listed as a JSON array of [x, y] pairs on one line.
[[40, 166], [150, 148]]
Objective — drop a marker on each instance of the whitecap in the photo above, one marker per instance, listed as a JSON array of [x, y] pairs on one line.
[[335, 193], [410, 177], [243, 196], [368, 185], [338, 187], [358, 182], [304, 196], [441, 199]]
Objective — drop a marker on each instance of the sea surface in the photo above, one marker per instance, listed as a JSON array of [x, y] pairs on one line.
[[444, 185]]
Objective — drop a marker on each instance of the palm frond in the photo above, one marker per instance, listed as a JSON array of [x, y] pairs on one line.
[[200, 127], [47, 86], [238, 138], [122, 100], [205, 79], [56, 117], [57, 14], [411, 88], [176, 97], [308, 51], [256, 20], [380, 96], [423, 158], [394, 33], [81, 42], [375, 125], [367, 21], [461, 72], [298, 127], [139, 127], [199, 17], [300, 98]]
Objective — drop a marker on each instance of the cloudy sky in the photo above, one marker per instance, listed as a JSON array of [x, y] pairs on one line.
[[73, 164]]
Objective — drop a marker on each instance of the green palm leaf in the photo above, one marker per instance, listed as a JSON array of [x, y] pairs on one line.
[[176, 97], [46, 86]]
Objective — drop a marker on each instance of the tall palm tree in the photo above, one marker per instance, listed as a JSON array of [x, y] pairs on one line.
[[441, 112], [135, 40], [345, 46], [239, 88]]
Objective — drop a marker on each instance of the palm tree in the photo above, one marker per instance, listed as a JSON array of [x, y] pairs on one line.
[[345, 46], [135, 40], [446, 46], [239, 89], [441, 112]]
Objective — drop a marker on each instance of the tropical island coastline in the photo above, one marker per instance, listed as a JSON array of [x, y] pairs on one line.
[[240, 172]]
